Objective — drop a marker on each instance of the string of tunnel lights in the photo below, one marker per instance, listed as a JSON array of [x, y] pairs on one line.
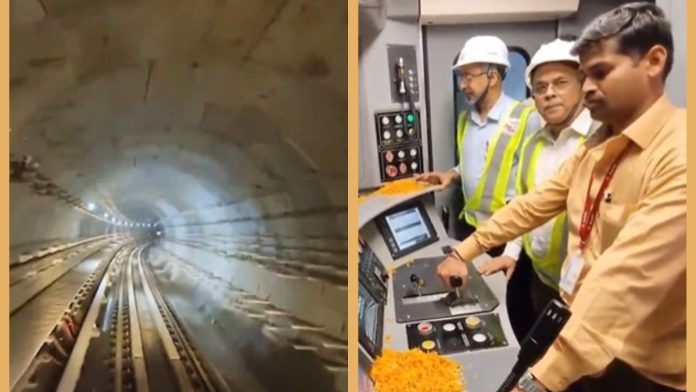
[[24, 169], [114, 221]]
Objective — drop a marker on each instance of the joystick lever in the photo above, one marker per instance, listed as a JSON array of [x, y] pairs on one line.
[[417, 283], [458, 295]]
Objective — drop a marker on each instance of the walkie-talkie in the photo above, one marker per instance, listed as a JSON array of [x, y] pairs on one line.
[[543, 333]]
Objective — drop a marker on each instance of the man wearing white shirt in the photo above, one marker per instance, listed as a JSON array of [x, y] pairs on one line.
[[490, 135], [489, 138], [552, 77]]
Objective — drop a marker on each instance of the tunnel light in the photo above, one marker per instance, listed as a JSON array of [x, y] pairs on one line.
[[91, 206], [106, 215], [159, 233]]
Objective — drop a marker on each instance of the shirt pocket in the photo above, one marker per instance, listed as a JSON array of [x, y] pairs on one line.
[[612, 219]]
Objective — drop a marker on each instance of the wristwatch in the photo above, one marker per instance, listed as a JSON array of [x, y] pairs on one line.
[[529, 384]]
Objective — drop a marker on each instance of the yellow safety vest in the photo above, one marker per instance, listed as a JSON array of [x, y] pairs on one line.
[[548, 265], [490, 192]]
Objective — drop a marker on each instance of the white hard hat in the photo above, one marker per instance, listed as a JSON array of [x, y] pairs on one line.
[[556, 50], [483, 49]]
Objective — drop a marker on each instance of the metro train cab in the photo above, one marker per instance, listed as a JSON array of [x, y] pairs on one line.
[[409, 102]]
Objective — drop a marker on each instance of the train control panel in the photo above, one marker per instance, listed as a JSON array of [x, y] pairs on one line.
[[404, 305]]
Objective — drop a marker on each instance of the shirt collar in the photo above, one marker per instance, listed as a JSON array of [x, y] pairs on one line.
[[496, 112], [641, 132], [644, 128], [582, 125]]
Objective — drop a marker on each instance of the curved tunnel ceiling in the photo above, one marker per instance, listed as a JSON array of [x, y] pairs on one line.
[[171, 106]]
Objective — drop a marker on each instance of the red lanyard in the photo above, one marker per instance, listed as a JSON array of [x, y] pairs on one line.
[[589, 213]]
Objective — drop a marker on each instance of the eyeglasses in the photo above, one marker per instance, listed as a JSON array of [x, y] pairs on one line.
[[469, 77], [558, 86]]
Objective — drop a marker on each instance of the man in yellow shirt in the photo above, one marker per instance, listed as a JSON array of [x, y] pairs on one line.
[[625, 195]]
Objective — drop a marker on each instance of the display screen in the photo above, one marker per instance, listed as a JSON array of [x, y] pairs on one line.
[[371, 267], [408, 228], [368, 315]]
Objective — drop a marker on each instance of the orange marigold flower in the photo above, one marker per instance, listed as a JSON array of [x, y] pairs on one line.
[[416, 371]]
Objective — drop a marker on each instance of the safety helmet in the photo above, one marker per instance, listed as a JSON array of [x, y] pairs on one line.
[[486, 49], [556, 50]]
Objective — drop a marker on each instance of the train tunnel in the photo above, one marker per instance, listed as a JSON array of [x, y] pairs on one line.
[[178, 195]]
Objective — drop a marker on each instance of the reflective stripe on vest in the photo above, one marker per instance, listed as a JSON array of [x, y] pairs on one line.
[[490, 194], [547, 265]]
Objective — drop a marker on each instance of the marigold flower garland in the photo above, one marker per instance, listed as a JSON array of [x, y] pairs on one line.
[[416, 371]]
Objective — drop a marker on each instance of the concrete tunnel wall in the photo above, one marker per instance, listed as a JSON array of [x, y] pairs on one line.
[[306, 223], [40, 220], [275, 227]]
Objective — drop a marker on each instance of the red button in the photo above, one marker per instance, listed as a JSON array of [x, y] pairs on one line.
[[425, 328]]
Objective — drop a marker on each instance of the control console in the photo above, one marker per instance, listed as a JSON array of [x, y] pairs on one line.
[[457, 335], [399, 145], [420, 295], [372, 272], [372, 298]]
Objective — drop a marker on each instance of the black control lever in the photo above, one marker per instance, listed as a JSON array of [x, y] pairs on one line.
[[458, 296], [417, 282], [543, 334]]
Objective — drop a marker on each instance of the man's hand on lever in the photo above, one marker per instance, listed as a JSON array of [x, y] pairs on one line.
[[501, 263], [443, 179], [452, 267]]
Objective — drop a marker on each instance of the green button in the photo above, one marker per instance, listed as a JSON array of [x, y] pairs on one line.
[[409, 118]]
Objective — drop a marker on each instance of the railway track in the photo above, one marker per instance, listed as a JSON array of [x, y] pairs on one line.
[[126, 338], [32, 276]]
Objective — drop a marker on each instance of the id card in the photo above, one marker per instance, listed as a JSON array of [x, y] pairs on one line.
[[570, 278]]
